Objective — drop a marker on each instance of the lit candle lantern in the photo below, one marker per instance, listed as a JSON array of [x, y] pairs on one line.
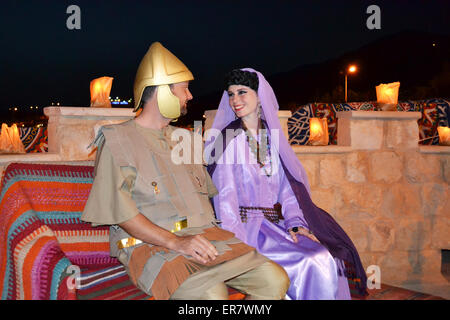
[[10, 140], [444, 136], [100, 90], [387, 96], [318, 132]]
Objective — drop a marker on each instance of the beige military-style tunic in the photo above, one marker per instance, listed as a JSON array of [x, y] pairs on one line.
[[134, 173]]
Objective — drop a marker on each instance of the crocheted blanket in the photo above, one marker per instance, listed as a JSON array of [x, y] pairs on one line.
[[41, 233]]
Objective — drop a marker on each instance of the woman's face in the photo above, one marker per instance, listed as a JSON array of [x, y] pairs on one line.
[[243, 100]]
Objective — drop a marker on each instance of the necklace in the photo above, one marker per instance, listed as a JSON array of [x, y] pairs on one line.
[[261, 151]]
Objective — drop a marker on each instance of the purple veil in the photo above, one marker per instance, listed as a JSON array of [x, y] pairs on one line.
[[269, 104], [324, 227]]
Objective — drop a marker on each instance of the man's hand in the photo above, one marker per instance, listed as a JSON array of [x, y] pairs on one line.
[[303, 232], [196, 246]]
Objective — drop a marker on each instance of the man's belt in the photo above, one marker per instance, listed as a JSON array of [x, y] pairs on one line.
[[272, 214], [129, 242]]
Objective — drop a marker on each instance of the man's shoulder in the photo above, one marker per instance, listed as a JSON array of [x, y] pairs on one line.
[[112, 126], [107, 129], [108, 132], [173, 128], [183, 130]]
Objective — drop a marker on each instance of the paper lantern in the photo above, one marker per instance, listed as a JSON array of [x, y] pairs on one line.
[[444, 136], [387, 96], [10, 140], [318, 132], [100, 91]]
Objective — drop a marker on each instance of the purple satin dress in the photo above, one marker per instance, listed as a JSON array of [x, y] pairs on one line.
[[312, 270]]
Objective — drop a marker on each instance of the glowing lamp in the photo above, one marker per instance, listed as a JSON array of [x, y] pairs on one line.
[[100, 90], [318, 132], [444, 136], [387, 96], [10, 140]]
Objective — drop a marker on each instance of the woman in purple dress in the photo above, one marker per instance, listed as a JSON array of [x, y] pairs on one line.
[[264, 195]]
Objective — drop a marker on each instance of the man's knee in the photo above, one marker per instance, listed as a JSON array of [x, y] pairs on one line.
[[217, 292], [277, 280], [267, 281]]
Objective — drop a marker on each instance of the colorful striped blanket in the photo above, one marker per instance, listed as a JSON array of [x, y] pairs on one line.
[[42, 235], [41, 232]]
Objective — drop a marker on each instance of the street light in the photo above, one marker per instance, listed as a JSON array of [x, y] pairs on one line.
[[351, 69]]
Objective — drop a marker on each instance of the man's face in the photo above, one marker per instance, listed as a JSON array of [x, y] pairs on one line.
[[181, 90]]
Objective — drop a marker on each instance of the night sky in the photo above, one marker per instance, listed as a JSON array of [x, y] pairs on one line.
[[43, 61]]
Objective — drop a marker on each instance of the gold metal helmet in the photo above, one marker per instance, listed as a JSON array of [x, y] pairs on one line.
[[160, 67]]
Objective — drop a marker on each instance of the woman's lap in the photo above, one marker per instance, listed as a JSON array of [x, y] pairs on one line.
[[311, 268]]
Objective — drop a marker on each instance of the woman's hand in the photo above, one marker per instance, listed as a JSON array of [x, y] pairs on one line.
[[302, 231]]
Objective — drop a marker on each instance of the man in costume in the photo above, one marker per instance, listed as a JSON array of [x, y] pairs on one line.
[[163, 228]]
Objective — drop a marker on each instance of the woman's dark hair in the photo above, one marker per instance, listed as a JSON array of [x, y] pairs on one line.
[[240, 77]]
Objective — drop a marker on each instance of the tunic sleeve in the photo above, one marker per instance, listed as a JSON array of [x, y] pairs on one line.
[[293, 215], [212, 190], [110, 201]]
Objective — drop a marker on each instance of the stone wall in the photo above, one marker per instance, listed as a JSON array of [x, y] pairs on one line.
[[71, 130], [388, 193]]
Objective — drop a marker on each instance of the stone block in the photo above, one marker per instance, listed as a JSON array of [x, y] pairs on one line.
[[324, 199], [360, 196], [397, 266], [435, 198], [356, 214], [361, 134], [369, 258], [381, 235], [423, 167], [440, 233], [357, 167], [446, 167], [358, 232], [413, 234], [71, 129], [445, 208], [331, 172], [429, 262], [402, 134], [386, 167], [311, 169], [401, 200]]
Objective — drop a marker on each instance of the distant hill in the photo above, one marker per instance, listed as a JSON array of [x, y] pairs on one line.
[[410, 57]]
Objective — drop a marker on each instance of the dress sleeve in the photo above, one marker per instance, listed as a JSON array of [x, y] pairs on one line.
[[293, 215], [110, 201], [226, 202]]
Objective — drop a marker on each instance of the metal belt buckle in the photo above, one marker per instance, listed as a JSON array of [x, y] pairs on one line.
[[128, 242], [180, 224]]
